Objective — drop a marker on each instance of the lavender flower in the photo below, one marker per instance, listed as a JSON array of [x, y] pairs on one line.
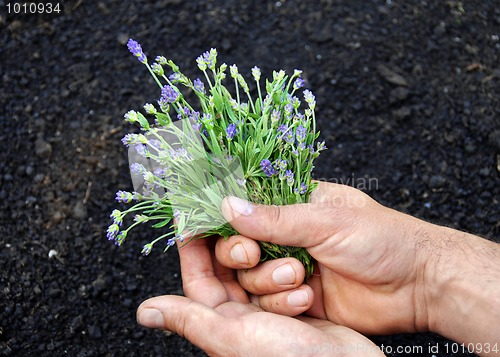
[[149, 108], [112, 231], [207, 60], [282, 128], [310, 98], [267, 167], [169, 94], [141, 218], [206, 119], [299, 83], [300, 133], [256, 73], [199, 86], [289, 177], [161, 60], [131, 116], [321, 146], [290, 137], [160, 173], [170, 242], [136, 49], [275, 116], [117, 217], [177, 213], [280, 164], [130, 139], [231, 131], [124, 196], [288, 109], [157, 69], [141, 150], [147, 249], [120, 238], [302, 190], [233, 69], [137, 168]]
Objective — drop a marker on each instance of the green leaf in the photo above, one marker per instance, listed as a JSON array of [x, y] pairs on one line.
[[142, 121], [161, 224]]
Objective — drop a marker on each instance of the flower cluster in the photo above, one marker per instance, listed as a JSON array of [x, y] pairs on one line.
[[259, 145]]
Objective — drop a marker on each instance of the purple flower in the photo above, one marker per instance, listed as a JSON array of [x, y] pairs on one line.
[[290, 137], [280, 164], [288, 109], [161, 173], [112, 231], [303, 189], [275, 116], [299, 83], [136, 49], [169, 94], [147, 249], [141, 149], [267, 167], [175, 77], [137, 168], [321, 146], [129, 139], [207, 59], [282, 128], [124, 196], [289, 177], [177, 213], [171, 242], [310, 98], [120, 238], [231, 131], [199, 86], [301, 133]]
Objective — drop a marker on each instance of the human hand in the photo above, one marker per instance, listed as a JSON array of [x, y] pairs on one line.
[[238, 329], [372, 261]]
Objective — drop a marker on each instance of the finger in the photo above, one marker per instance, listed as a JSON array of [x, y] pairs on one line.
[[190, 319], [304, 225], [199, 281], [237, 252], [272, 276], [289, 303]]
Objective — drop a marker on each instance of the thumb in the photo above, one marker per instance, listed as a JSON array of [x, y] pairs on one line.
[[200, 324], [302, 225]]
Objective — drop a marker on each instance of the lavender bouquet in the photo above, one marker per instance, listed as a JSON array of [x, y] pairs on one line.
[[260, 148]]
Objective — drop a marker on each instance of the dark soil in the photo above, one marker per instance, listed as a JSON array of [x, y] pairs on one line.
[[408, 93]]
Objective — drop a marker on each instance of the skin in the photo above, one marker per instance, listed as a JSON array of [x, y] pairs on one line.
[[378, 271]]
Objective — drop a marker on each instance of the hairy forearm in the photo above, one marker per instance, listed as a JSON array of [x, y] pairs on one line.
[[463, 288]]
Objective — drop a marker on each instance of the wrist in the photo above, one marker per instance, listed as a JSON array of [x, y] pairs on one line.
[[462, 285]]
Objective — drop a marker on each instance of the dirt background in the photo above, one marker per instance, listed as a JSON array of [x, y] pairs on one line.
[[408, 93]]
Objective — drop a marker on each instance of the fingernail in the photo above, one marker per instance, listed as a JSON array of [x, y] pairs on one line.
[[150, 317], [284, 275], [298, 298], [239, 254], [240, 206]]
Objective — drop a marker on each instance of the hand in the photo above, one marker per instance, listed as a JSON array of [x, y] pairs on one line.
[[379, 271], [371, 261], [219, 318], [237, 329]]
